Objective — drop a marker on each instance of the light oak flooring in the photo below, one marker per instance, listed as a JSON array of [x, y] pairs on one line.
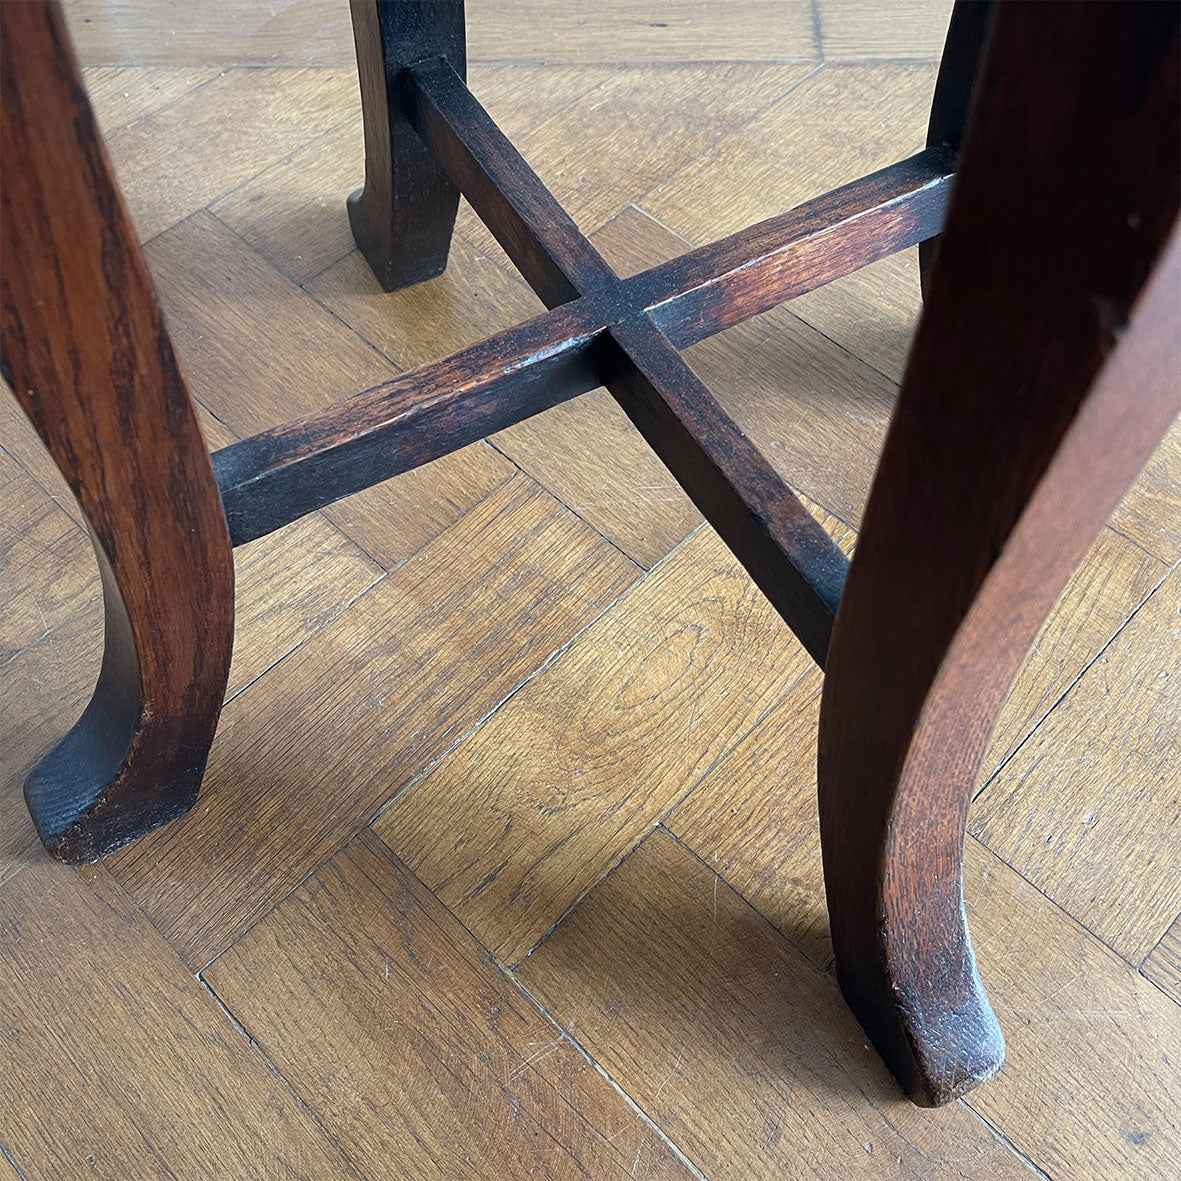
[[506, 861]]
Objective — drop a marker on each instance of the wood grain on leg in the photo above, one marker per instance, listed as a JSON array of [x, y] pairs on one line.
[[1043, 375], [403, 218], [86, 353]]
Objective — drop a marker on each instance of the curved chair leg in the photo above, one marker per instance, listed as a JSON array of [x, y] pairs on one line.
[[404, 216], [85, 350], [1043, 374]]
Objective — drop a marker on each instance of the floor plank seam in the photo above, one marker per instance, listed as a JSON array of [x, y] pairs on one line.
[[638, 199], [315, 632], [1155, 984], [568, 507], [675, 1149], [1066, 691], [584, 895], [6, 1153], [279, 1076], [817, 30], [1028, 1161], [825, 969]]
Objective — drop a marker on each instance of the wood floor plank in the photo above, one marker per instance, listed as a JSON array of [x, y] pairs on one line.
[[517, 822], [184, 155], [293, 213], [47, 566], [754, 819], [841, 123], [393, 520], [123, 1065], [306, 756], [1085, 808], [258, 351], [731, 1042], [255, 349], [816, 412], [232, 32], [639, 125], [1151, 512], [122, 94], [22, 442], [854, 30], [642, 30], [410, 1046], [1090, 1086], [587, 452], [472, 299], [871, 313], [1163, 965]]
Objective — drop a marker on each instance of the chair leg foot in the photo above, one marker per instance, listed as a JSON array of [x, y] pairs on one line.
[[403, 219], [91, 363]]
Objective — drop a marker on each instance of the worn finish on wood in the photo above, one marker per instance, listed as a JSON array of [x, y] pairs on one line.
[[87, 355], [404, 216], [274, 477], [1031, 456]]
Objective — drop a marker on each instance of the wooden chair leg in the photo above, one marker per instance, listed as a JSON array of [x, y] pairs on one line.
[[404, 216], [1043, 374], [85, 350], [959, 67]]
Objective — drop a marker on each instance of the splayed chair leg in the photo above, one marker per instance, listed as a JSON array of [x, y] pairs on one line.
[[1041, 379], [86, 352]]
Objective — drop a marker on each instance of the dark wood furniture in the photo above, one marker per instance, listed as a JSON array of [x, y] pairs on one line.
[[1043, 373]]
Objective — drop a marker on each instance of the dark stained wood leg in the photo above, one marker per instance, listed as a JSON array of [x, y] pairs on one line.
[[404, 216], [1043, 374], [85, 350], [963, 52]]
